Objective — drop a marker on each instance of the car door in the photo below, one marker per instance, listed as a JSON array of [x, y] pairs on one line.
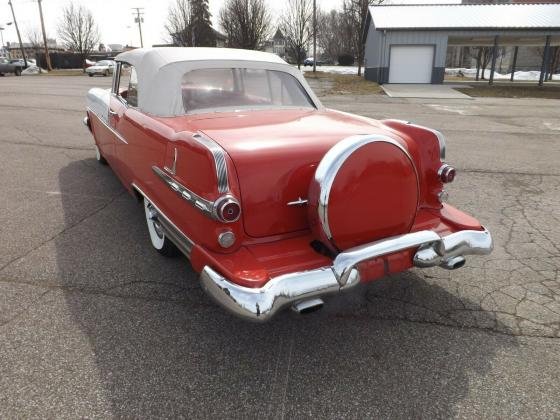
[[140, 143], [118, 106]]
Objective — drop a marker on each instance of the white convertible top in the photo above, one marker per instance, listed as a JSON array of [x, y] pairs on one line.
[[160, 71]]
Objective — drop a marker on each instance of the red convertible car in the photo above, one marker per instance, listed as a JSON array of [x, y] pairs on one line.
[[276, 200]]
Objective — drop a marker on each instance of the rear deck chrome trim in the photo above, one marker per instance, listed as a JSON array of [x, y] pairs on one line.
[[219, 155]]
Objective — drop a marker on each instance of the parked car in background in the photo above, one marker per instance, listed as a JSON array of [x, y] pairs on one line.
[[309, 62], [11, 66], [276, 200], [103, 68], [21, 62]]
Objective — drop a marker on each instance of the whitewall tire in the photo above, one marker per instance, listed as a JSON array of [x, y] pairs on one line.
[[98, 156], [160, 242]]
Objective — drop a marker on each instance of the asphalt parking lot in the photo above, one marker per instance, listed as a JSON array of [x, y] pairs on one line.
[[94, 323]]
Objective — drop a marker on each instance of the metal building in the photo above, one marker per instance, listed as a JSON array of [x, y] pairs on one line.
[[408, 43]]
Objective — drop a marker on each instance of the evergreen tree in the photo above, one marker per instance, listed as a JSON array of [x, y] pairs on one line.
[[203, 34]]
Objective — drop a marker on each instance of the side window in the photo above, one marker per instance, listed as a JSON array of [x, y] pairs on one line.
[[128, 85], [124, 81], [133, 88]]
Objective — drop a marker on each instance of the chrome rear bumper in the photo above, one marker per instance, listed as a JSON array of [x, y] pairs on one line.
[[261, 304]]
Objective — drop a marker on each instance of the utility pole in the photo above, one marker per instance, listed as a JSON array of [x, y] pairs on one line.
[[314, 36], [139, 19], [18, 34], [47, 56]]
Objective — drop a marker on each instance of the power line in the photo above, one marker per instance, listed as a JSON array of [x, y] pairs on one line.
[[139, 19]]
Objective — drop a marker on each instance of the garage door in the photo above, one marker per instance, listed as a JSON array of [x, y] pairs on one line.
[[411, 64]]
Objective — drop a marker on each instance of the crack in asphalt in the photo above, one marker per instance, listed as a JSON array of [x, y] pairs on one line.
[[67, 228], [498, 172], [38, 108], [51, 146]]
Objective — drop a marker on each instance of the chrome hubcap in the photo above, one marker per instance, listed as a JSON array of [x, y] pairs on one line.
[[153, 216]]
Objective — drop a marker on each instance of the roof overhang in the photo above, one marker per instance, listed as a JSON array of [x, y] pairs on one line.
[[465, 17]]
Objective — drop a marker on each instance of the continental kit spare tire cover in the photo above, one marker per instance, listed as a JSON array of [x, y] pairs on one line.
[[365, 188]]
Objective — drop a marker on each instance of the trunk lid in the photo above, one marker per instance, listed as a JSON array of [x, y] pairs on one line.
[[275, 154]]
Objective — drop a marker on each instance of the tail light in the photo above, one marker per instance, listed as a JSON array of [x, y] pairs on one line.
[[447, 173], [227, 209]]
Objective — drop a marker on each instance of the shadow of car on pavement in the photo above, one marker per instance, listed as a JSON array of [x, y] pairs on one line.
[[163, 348]]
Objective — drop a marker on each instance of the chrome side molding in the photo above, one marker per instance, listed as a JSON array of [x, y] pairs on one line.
[[212, 209], [205, 206]]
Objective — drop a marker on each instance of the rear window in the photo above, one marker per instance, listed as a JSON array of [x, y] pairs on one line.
[[239, 88]]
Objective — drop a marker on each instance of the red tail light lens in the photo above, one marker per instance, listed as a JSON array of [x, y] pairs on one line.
[[227, 209], [447, 173]]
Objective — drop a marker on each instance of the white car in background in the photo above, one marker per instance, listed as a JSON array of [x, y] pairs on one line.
[[103, 67]]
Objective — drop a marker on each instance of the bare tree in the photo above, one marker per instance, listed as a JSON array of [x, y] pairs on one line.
[[246, 23], [35, 38], [78, 31], [327, 34], [483, 57], [297, 25], [179, 23], [356, 12], [334, 33]]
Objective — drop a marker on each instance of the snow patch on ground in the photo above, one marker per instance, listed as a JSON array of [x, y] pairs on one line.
[[333, 69], [32, 70], [519, 75], [468, 73]]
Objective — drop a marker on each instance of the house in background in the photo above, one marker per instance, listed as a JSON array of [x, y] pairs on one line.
[[277, 45], [14, 50]]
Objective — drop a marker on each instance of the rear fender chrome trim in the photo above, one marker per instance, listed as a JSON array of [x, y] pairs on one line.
[[207, 207], [439, 136], [219, 155], [182, 241], [173, 168]]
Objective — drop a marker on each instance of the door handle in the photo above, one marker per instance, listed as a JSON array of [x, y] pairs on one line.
[[113, 112]]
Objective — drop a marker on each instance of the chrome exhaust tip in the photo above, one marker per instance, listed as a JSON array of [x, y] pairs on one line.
[[307, 306], [453, 263]]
